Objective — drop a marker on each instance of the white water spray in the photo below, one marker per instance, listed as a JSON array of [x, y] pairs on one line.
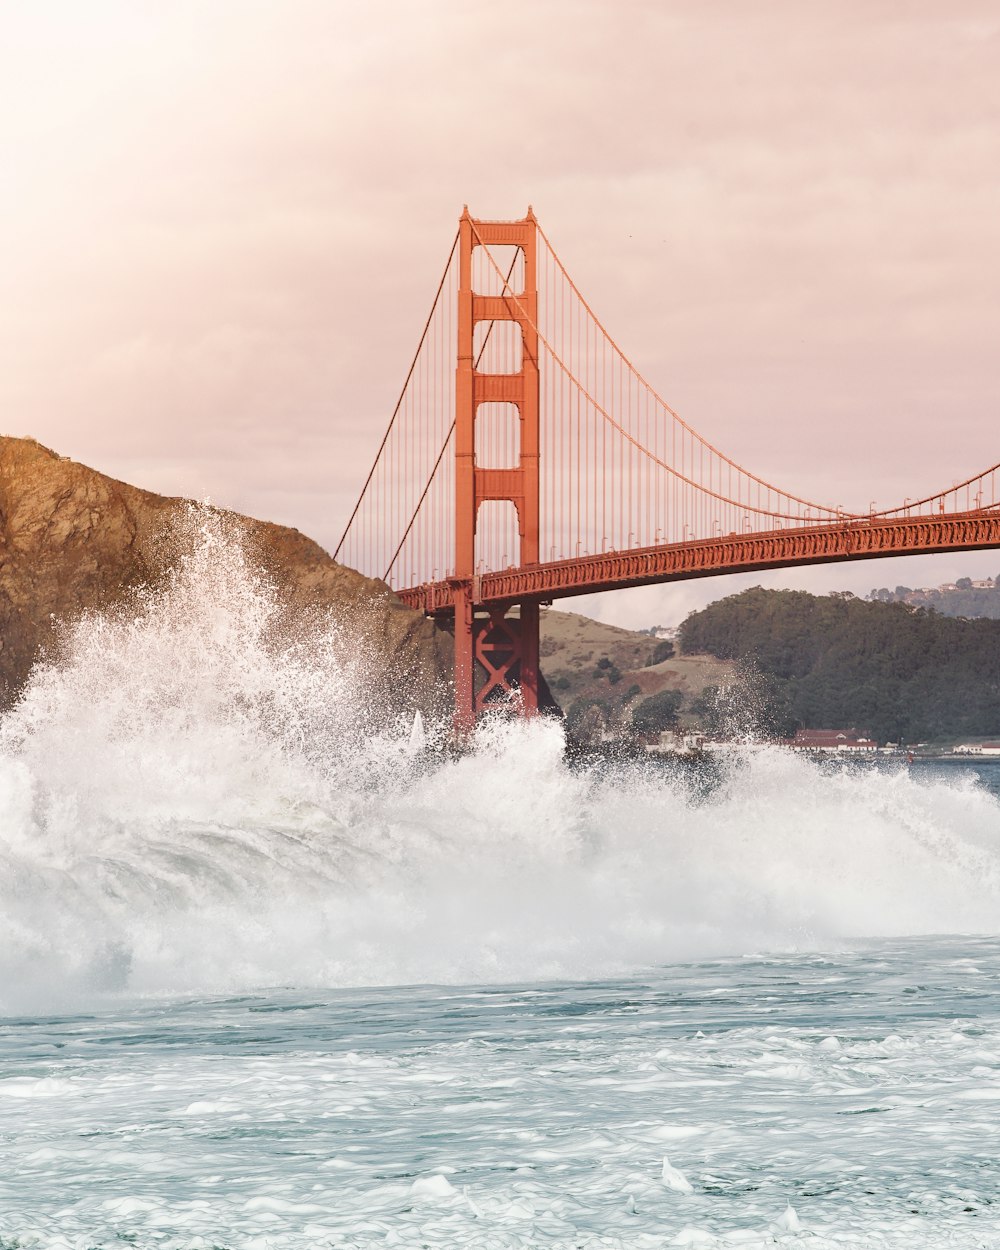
[[194, 799]]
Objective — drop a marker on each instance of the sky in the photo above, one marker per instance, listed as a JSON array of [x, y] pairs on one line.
[[222, 222]]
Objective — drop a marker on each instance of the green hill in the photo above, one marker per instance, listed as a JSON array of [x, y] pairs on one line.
[[591, 665], [901, 672]]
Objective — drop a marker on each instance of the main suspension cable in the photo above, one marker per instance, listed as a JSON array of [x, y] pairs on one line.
[[402, 394], [451, 428]]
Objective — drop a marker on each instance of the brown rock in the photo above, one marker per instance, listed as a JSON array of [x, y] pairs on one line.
[[73, 540]]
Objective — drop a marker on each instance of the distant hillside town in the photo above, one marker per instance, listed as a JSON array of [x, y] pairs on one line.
[[969, 597]]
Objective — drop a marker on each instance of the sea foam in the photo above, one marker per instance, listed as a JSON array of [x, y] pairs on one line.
[[194, 798]]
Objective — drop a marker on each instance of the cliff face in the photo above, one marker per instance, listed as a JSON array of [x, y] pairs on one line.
[[73, 540]]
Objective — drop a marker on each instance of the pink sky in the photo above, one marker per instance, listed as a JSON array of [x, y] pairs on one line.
[[221, 223]]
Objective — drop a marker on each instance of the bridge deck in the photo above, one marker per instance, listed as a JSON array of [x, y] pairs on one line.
[[729, 553]]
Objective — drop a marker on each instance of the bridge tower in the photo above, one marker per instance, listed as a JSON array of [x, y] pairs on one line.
[[503, 638]]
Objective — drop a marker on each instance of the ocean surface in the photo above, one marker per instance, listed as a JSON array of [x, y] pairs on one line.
[[270, 977]]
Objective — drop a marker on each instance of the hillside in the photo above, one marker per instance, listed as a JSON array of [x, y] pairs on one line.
[[589, 663], [900, 672], [73, 540]]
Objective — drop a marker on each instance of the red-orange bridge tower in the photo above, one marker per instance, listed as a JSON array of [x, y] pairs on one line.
[[528, 460]]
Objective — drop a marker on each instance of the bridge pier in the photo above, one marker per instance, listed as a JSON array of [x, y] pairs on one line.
[[464, 678], [496, 658]]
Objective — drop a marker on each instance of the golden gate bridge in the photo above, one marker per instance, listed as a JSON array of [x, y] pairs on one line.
[[527, 459]]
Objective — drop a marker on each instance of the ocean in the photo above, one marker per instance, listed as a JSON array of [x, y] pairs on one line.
[[271, 977]]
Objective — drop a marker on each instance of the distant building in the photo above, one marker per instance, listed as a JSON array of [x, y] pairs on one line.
[[977, 748], [831, 740], [921, 594], [676, 742]]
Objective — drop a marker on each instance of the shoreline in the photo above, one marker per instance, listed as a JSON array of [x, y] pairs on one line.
[[949, 757]]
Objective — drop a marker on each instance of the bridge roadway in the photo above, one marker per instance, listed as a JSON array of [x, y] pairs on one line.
[[855, 539]]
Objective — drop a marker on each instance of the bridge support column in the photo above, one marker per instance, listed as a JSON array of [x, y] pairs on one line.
[[529, 657], [510, 641], [464, 676]]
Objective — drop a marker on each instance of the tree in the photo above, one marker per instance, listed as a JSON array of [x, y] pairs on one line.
[[657, 713], [905, 673], [587, 711], [664, 650], [586, 721]]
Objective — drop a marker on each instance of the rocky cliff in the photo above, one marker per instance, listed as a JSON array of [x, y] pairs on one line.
[[73, 540]]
